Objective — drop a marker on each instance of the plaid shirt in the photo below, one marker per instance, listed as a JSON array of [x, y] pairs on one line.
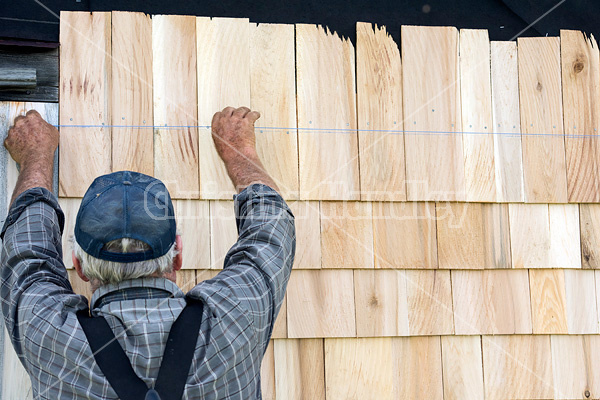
[[241, 304]]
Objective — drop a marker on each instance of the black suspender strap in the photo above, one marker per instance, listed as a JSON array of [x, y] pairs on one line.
[[111, 358], [175, 365], [179, 351]]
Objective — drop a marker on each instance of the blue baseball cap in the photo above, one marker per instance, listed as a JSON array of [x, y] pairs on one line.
[[126, 204]]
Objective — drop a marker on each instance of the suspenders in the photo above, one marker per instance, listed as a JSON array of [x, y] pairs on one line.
[[175, 365]]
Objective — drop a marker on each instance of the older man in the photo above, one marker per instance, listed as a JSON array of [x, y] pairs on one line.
[[213, 338]]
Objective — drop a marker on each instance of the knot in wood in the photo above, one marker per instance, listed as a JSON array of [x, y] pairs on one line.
[[539, 87], [578, 66], [374, 301]]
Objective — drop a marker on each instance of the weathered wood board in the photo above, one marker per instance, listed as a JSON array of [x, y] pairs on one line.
[[379, 109], [473, 235], [273, 94], [175, 110], [495, 302], [131, 99], [223, 70], [320, 304], [506, 121], [327, 137], [299, 369], [85, 93], [544, 167], [476, 107], [415, 224], [517, 367], [462, 368], [432, 116], [580, 66], [346, 235]]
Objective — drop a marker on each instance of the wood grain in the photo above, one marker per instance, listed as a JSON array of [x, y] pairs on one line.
[[462, 367], [70, 207], [308, 234], [280, 327], [16, 381], [379, 109], [359, 369], [476, 107], [575, 364], [589, 217], [417, 368], [429, 301], [223, 51], [320, 304], [517, 367], [381, 303], [131, 94], [223, 231], [175, 109], [473, 235], [415, 224], [598, 295], [580, 296], [544, 168], [346, 235], [85, 87], [299, 369], [548, 301], [529, 235], [186, 279], [580, 64], [506, 122], [267, 374], [432, 116], [326, 101], [495, 302], [565, 248], [205, 274], [193, 224], [273, 94]]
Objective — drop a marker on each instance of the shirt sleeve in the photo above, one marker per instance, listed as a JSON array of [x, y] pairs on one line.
[[258, 266], [33, 280]]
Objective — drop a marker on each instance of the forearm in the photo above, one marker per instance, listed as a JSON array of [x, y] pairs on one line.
[[259, 264], [34, 173], [247, 169], [30, 260]]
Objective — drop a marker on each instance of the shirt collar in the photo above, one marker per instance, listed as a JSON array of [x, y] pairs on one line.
[[164, 285]]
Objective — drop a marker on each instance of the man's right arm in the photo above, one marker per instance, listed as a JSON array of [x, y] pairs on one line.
[[233, 134], [258, 266]]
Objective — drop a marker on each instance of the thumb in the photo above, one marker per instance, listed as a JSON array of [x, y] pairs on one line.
[[253, 116]]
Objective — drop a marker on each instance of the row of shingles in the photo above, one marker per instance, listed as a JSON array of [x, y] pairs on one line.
[[173, 73], [451, 154], [390, 302], [434, 367], [476, 166], [470, 236], [360, 303], [364, 235], [481, 167]]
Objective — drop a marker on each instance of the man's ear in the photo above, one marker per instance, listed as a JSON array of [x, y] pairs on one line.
[[77, 266], [178, 260]]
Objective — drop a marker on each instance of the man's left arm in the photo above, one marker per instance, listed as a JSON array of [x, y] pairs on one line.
[[32, 274]]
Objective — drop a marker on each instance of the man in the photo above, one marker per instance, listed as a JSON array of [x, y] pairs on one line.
[[126, 246]]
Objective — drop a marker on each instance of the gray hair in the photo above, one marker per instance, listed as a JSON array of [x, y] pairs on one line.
[[102, 272]]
